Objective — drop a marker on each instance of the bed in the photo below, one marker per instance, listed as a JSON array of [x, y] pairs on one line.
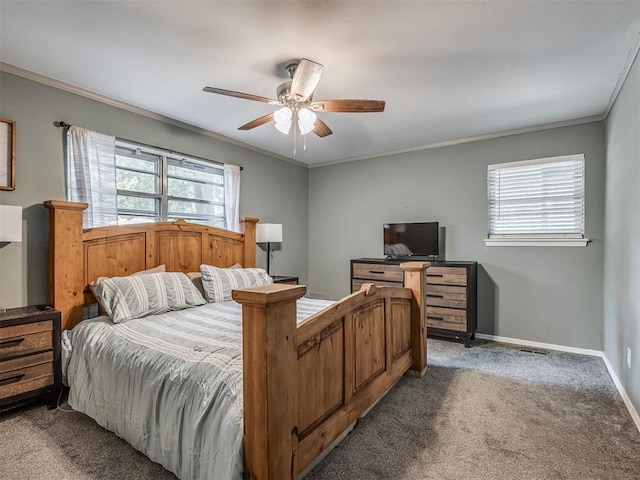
[[305, 378]]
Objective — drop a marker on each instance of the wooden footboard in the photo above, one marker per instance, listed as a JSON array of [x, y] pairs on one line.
[[306, 384]]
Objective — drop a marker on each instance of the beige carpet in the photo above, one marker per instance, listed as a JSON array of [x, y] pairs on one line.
[[490, 412]]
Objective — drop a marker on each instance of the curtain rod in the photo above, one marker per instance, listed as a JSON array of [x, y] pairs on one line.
[[63, 124]]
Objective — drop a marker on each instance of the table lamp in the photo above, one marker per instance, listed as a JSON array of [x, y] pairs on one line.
[[10, 227], [269, 233]]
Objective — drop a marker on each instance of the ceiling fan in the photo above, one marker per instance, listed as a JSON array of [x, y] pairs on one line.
[[296, 101]]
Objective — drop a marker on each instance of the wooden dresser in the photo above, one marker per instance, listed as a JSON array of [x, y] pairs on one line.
[[30, 367], [451, 292]]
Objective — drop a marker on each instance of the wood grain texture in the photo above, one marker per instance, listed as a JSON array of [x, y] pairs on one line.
[[77, 257], [26, 361], [27, 379], [66, 260], [270, 375], [25, 344], [415, 278], [303, 384]]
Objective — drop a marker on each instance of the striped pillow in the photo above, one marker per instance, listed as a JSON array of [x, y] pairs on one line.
[[136, 296], [218, 282]]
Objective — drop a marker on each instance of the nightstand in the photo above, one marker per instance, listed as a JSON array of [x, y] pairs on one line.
[[30, 367], [285, 279]]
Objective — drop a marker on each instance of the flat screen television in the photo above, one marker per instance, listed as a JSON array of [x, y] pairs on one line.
[[411, 239]]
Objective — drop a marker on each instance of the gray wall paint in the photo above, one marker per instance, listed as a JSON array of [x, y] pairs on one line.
[[545, 294], [271, 189], [622, 234]]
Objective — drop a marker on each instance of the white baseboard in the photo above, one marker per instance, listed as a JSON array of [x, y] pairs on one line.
[[546, 346], [623, 392], [581, 351]]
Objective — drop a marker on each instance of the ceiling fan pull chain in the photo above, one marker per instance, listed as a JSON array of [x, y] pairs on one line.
[[295, 138]]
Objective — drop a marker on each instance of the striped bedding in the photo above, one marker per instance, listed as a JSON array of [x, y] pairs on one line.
[[169, 384]]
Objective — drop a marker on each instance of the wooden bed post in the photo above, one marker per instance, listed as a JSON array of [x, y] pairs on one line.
[[248, 227], [66, 260], [270, 371], [415, 278]]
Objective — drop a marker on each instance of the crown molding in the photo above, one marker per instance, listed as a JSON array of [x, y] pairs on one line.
[[68, 87], [622, 78], [506, 133], [98, 97]]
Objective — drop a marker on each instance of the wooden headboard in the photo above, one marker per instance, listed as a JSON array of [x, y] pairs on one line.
[[77, 256]]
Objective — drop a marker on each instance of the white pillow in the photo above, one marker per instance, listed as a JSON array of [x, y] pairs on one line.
[[96, 288], [137, 296], [219, 282]]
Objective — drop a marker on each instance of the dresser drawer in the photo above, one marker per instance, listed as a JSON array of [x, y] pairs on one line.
[[15, 382], [450, 318], [372, 271], [25, 339], [447, 276], [447, 296], [357, 284], [433, 323]]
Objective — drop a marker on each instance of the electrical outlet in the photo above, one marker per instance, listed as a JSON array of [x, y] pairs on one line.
[[628, 357]]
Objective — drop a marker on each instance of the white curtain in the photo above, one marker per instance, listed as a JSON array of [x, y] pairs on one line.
[[232, 196], [91, 175]]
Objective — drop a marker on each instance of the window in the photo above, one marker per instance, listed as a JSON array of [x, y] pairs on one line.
[[537, 202], [155, 185]]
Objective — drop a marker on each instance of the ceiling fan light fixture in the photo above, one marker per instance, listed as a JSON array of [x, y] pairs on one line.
[[306, 120], [282, 119]]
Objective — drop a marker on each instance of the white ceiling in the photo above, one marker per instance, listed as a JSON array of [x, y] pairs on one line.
[[448, 70]]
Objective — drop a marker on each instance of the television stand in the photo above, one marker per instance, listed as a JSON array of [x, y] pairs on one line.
[[451, 306]]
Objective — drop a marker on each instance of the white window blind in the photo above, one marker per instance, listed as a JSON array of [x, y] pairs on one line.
[[537, 199]]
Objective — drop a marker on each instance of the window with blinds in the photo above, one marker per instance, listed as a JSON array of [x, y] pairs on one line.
[[155, 185], [536, 199]]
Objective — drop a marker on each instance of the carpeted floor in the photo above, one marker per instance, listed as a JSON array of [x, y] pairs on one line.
[[490, 412]]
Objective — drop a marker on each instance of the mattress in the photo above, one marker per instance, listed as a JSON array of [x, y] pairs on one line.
[[169, 384]]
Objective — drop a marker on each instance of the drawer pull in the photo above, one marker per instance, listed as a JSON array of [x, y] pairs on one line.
[[13, 379], [435, 318], [12, 342], [376, 271], [434, 296], [435, 275]]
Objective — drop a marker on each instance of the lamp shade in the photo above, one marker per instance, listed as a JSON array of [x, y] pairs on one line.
[[268, 232], [10, 223]]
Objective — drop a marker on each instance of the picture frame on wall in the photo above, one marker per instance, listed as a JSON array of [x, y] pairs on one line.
[[7, 154]]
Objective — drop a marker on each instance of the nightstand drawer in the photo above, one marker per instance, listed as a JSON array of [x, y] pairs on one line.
[[27, 379], [371, 271], [30, 356], [25, 339], [26, 361]]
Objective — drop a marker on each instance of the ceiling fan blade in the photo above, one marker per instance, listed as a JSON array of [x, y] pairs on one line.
[[246, 96], [321, 129], [305, 79], [349, 106], [257, 122]]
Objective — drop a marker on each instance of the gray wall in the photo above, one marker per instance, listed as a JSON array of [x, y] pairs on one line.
[[544, 294], [271, 189], [622, 234]]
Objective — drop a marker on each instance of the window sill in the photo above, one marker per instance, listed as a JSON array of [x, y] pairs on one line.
[[536, 242]]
